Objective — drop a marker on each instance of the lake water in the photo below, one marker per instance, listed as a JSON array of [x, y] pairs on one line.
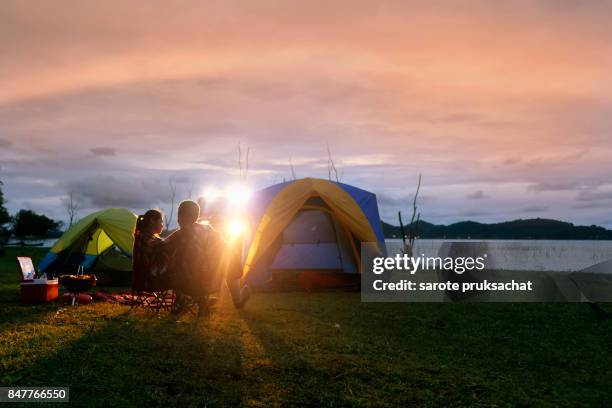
[[521, 255], [46, 243], [532, 255]]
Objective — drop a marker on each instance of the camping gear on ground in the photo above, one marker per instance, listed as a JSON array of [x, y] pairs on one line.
[[77, 284], [79, 298], [103, 296], [305, 232], [100, 243], [33, 288], [27, 268], [39, 290]]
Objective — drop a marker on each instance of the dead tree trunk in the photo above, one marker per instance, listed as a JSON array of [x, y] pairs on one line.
[[172, 197], [331, 166], [402, 230], [243, 172], [413, 228], [293, 177], [72, 207]]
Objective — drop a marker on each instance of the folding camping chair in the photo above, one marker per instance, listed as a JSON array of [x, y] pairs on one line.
[[173, 300], [185, 303], [148, 290], [196, 291], [192, 301], [152, 292]]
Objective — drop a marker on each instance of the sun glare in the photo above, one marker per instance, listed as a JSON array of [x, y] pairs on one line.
[[212, 193], [237, 195], [235, 228]]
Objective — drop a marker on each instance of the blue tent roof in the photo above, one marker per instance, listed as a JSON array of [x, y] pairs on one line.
[[365, 199]]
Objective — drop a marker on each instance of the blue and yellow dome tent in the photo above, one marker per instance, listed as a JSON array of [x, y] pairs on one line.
[[308, 226], [90, 239]]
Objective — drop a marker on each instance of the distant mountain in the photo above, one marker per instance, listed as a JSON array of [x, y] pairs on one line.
[[536, 228]]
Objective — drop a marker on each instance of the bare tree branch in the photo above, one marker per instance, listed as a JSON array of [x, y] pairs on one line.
[[293, 177], [243, 173], [72, 207], [239, 160], [416, 228], [172, 196], [246, 168], [331, 166], [414, 202], [414, 220], [190, 190], [403, 232]]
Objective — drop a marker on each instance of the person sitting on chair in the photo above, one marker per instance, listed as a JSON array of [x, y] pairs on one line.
[[148, 261], [193, 265]]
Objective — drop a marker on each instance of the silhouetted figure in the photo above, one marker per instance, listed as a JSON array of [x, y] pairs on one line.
[[193, 260], [148, 256]]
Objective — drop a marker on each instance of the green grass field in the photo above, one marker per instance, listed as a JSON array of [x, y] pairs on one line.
[[308, 349]]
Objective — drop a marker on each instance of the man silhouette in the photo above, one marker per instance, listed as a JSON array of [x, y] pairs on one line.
[[193, 251], [200, 258]]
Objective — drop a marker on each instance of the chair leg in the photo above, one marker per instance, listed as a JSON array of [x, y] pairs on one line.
[[154, 300], [177, 305], [134, 299], [164, 295], [140, 298], [182, 303], [160, 300], [154, 303]]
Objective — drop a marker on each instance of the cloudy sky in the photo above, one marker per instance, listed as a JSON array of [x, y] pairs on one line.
[[504, 107]]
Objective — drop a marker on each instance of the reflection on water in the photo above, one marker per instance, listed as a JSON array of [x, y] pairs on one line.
[[524, 255], [46, 243]]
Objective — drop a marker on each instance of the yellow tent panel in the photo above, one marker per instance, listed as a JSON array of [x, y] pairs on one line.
[[286, 204], [101, 229]]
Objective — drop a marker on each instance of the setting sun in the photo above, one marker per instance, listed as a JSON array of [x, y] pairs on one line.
[[235, 228]]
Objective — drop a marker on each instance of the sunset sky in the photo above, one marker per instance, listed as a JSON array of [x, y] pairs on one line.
[[504, 107]]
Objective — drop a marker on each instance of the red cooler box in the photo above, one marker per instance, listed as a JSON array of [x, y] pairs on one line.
[[39, 290]]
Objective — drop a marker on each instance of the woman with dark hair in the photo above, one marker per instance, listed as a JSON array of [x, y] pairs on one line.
[[148, 259]]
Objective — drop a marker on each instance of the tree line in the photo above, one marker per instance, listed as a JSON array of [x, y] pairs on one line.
[[25, 223], [537, 228]]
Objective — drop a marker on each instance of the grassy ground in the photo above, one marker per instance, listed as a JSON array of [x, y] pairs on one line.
[[322, 349]]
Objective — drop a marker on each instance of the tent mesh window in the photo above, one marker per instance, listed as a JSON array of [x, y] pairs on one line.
[[310, 227], [314, 241]]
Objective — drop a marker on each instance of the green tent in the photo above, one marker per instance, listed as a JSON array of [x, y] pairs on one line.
[[104, 238]]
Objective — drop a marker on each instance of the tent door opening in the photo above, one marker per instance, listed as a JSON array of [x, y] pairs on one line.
[[314, 240]]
